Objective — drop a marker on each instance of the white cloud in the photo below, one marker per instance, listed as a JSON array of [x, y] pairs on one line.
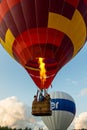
[[42, 125], [83, 92], [15, 114], [36, 128], [81, 121]]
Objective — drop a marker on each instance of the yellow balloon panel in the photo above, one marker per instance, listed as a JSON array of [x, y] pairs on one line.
[[75, 28]]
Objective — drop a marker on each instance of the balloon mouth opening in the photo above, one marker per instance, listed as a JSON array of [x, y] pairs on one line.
[[43, 58], [42, 69], [39, 63]]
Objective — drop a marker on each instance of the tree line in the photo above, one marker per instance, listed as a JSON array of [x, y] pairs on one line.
[[7, 128]]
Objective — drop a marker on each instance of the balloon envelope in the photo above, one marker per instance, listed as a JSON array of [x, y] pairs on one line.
[[63, 111], [52, 29]]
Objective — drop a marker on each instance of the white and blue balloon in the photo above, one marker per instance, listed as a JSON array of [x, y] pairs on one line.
[[63, 111]]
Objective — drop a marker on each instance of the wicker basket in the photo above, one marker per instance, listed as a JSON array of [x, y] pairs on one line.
[[41, 108]]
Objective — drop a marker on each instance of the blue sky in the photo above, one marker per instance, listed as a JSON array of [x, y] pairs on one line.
[[72, 78]]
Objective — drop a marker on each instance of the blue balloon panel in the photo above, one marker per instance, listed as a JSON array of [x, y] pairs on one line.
[[63, 105]]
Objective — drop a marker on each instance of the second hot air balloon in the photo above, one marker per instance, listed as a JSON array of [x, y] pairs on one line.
[[63, 111]]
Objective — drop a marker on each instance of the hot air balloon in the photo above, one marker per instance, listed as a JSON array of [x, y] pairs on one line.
[[43, 35], [63, 111]]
